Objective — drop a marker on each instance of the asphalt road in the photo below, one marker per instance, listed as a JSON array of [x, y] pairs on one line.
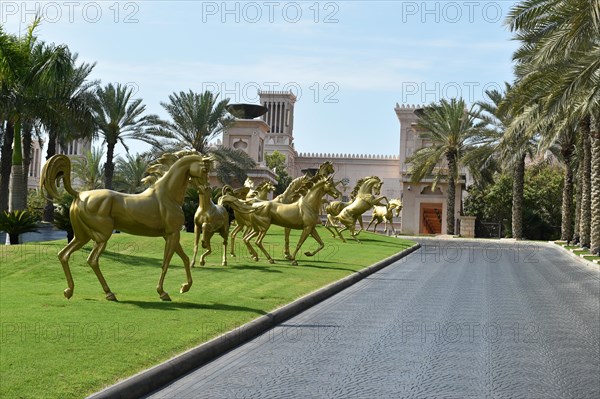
[[455, 319]]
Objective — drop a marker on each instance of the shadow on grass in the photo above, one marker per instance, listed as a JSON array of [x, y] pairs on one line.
[[162, 305]]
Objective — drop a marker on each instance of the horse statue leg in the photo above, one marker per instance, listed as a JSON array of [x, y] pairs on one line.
[[305, 232], [224, 232], [197, 233], [259, 244], [236, 230], [315, 234], [186, 265], [64, 255], [251, 250], [207, 234], [286, 250], [370, 223], [330, 224], [92, 260], [171, 242]]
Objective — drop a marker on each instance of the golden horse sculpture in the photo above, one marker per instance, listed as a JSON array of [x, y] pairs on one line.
[[94, 214], [385, 213], [210, 218], [253, 195], [335, 207], [367, 191], [301, 215]]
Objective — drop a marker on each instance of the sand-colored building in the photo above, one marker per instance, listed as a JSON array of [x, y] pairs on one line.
[[424, 209]]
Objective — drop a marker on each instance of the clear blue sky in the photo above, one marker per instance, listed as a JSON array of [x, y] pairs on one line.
[[349, 62]]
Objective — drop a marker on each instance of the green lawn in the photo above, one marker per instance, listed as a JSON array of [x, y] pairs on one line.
[[52, 347]]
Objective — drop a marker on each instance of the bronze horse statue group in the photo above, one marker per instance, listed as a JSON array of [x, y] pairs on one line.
[[157, 212]]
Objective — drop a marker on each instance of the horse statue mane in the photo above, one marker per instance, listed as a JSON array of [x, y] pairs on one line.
[[158, 168], [359, 184]]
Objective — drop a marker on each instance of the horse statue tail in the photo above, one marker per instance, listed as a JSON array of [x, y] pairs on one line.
[[57, 167], [237, 205]]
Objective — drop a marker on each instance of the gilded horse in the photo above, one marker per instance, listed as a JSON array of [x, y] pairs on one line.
[[254, 195], [367, 195], [334, 208], [210, 218], [300, 215], [385, 213], [94, 214]]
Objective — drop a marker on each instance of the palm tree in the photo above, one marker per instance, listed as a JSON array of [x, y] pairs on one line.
[[118, 117], [130, 171], [26, 65], [558, 67], [88, 170], [513, 149], [196, 120], [452, 131], [70, 115]]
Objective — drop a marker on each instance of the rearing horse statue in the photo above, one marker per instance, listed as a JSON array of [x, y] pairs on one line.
[[156, 212], [367, 195]]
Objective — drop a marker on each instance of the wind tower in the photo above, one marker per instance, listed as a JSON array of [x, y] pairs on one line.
[[280, 118]]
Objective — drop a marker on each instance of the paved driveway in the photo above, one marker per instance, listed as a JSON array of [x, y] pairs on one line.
[[455, 319]]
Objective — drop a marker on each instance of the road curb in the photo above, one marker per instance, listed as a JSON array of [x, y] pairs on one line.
[[156, 377]]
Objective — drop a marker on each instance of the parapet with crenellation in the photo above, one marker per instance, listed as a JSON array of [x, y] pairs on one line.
[[346, 156]]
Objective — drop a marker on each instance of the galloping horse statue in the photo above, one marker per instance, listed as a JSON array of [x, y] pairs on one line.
[[241, 213], [156, 212], [385, 213], [367, 195], [210, 218], [301, 215]]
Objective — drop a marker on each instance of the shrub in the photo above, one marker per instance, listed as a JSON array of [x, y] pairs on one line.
[[15, 223]]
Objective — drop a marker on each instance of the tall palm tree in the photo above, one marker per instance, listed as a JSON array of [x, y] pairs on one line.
[[512, 149], [196, 120], [130, 171], [452, 131], [118, 117], [70, 115], [88, 170], [26, 64], [558, 66]]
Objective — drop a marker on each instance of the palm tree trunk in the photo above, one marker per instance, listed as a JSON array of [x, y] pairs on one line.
[[50, 152], [5, 165], [26, 140], [517, 200], [567, 200], [15, 194], [109, 166], [578, 187], [586, 203], [451, 194], [595, 187]]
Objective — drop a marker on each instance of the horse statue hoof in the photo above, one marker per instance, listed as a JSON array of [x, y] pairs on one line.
[[111, 297], [288, 257], [68, 293], [295, 263], [255, 258], [271, 261], [185, 288], [224, 263], [309, 254], [202, 263], [165, 297]]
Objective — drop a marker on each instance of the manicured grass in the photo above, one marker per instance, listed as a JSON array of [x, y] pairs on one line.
[[52, 347], [578, 251]]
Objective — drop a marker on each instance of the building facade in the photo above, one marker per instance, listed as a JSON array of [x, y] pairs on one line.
[[424, 209]]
